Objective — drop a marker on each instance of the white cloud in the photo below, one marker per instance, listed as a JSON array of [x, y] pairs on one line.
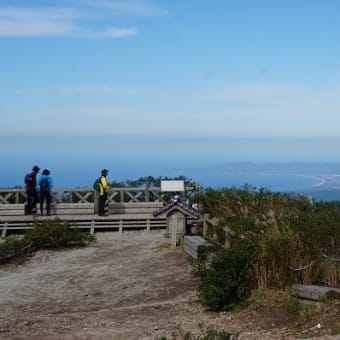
[[294, 99], [252, 110], [97, 90], [140, 8], [81, 112], [252, 92], [114, 32], [30, 91], [34, 22]]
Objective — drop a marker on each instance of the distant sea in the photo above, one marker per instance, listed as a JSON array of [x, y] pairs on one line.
[[272, 182], [215, 163], [81, 173]]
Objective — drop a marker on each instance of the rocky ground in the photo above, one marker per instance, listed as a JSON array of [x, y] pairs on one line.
[[127, 286]]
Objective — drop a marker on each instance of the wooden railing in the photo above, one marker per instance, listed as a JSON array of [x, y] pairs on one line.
[[127, 208], [88, 195]]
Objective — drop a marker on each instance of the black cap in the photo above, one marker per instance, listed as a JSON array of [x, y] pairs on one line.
[[36, 168], [45, 172], [105, 171]]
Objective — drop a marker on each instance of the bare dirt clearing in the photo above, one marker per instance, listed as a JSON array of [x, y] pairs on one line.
[[125, 286]]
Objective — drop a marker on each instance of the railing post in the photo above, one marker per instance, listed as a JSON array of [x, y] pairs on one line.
[[205, 224], [4, 230], [174, 236], [147, 193], [95, 203], [92, 227]]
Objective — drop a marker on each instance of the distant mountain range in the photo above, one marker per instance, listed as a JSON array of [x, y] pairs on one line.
[[327, 189], [287, 168]]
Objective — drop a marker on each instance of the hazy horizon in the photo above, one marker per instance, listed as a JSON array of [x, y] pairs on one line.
[[76, 161]]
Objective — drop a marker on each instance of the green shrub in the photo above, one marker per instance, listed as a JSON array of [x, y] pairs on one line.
[[13, 246], [228, 279], [336, 328], [293, 305], [48, 234], [56, 234]]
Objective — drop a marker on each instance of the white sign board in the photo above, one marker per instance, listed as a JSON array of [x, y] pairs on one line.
[[172, 186]]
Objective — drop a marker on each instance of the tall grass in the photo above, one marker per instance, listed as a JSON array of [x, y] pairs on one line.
[[295, 240]]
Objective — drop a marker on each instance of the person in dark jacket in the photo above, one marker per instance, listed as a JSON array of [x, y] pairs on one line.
[[31, 191], [45, 184]]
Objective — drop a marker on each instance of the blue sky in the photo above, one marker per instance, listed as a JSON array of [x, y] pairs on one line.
[[187, 71]]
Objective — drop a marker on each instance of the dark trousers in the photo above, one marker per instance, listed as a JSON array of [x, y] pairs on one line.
[[32, 200], [101, 204], [45, 196]]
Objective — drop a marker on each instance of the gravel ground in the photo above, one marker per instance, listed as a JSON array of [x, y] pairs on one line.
[[124, 286]]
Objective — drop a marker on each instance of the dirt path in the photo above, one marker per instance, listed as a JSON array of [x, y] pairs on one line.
[[126, 286]]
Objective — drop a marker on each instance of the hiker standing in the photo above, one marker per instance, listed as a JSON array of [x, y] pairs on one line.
[[31, 191], [45, 186], [104, 187]]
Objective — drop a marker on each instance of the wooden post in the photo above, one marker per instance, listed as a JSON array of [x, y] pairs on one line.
[[148, 225], [147, 194], [205, 224], [92, 227], [95, 202], [120, 226], [4, 230], [173, 236]]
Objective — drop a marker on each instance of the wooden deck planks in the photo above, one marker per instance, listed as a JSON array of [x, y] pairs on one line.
[[81, 215]]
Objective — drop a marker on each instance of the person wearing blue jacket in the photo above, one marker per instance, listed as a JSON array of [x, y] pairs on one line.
[[45, 184]]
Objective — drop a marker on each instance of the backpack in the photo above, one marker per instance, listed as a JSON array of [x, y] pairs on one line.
[[97, 184], [28, 178], [29, 182], [44, 184]]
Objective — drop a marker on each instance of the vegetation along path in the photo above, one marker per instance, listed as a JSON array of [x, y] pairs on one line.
[[124, 286]]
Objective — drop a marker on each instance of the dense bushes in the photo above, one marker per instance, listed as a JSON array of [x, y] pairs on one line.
[[275, 240], [228, 278], [48, 234]]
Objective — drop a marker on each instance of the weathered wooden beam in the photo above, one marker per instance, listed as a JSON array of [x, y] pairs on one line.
[[195, 245], [314, 292]]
